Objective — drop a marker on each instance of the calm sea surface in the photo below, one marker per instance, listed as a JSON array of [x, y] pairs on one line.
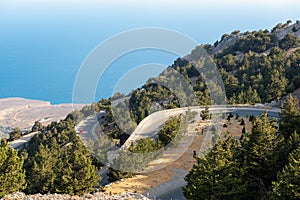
[[50, 74]]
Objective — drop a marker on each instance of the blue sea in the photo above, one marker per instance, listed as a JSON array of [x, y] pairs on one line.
[[42, 47], [44, 76]]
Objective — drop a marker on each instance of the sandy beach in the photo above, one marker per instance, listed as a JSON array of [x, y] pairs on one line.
[[22, 113]]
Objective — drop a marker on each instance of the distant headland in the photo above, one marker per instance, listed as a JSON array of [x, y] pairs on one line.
[[22, 113]]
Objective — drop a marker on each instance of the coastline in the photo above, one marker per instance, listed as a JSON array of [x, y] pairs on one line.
[[22, 113]]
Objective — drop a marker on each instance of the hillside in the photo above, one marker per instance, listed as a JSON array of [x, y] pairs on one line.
[[256, 67]]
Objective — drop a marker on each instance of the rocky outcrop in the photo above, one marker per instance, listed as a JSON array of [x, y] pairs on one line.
[[293, 29], [225, 43], [231, 39]]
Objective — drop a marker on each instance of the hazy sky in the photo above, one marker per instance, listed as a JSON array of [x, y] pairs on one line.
[[205, 21]]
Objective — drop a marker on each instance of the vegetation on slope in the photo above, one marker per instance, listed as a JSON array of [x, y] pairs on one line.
[[264, 165], [56, 161]]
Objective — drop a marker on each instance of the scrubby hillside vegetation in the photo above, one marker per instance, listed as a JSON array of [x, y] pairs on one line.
[[263, 164], [256, 67]]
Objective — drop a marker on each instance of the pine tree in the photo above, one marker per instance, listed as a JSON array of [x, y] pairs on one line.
[[15, 134], [259, 150], [38, 126], [58, 162], [286, 146], [170, 129], [76, 174], [287, 185], [253, 96], [290, 117], [205, 113], [277, 85], [41, 174], [289, 41], [216, 175], [244, 130], [12, 176]]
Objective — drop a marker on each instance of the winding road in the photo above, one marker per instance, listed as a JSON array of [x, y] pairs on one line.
[[149, 127]]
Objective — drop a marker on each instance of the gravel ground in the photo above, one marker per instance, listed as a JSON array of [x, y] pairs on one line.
[[96, 196]]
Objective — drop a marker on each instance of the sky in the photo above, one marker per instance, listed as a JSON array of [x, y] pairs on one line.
[[204, 21], [49, 35]]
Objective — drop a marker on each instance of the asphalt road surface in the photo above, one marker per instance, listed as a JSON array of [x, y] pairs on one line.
[[149, 127], [19, 143]]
